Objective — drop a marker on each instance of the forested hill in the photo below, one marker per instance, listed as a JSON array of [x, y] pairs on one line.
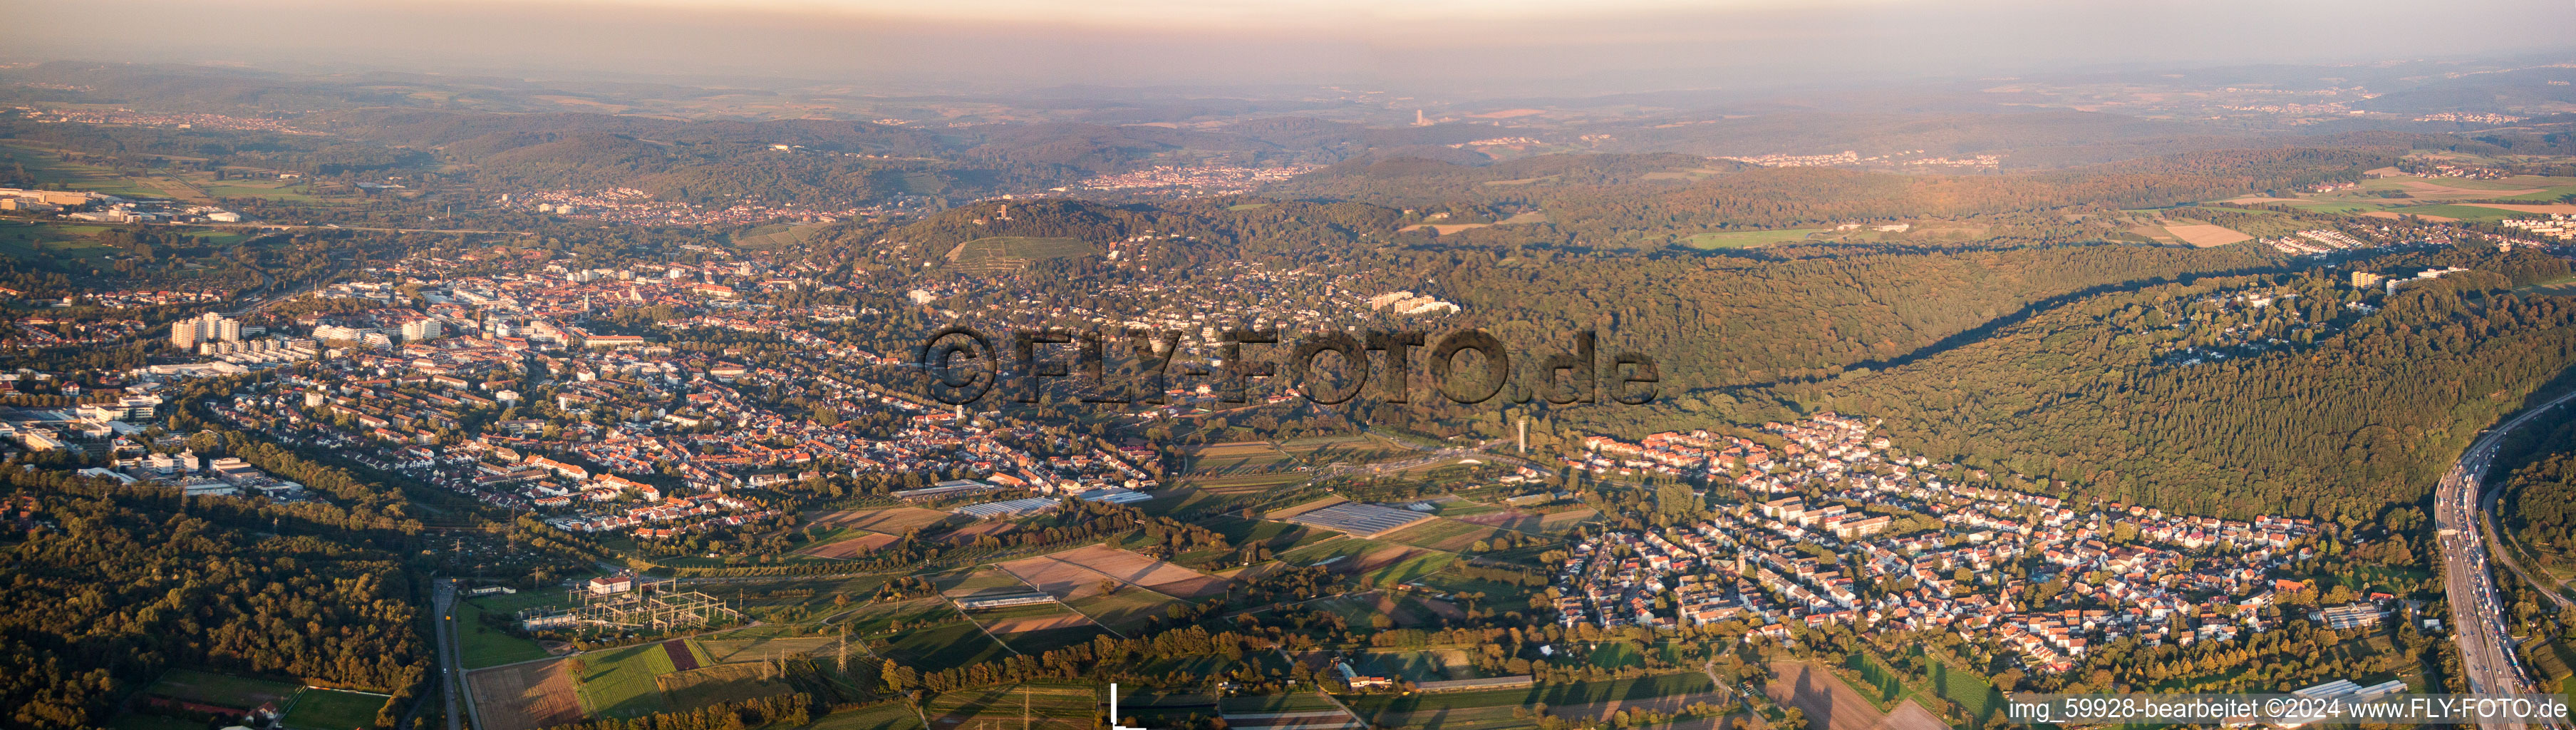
[[1724, 322], [1416, 181], [1605, 211], [121, 582], [2375, 404]]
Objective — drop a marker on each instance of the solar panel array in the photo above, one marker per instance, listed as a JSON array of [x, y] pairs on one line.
[[1008, 507], [1364, 520]]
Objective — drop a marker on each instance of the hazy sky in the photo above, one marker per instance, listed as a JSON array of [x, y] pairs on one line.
[[1552, 46]]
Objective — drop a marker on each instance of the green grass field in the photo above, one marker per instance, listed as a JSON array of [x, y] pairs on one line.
[[140, 721], [485, 646], [222, 689], [2462, 212], [1247, 482], [1251, 704], [943, 646], [1322, 550], [1376, 706], [66, 243], [1041, 707], [281, 190], [330, 709], [1044, 640], [49, 168], [1126, 611], [1431, 665], [1442, 534], [887, 716], [1237, 459], [1411, 569], [882, 617], [982, 579], [1747, 239], [1617, 655], [775, 235], [619, 682], [1357, 449], [1240, 207], [708, 686]]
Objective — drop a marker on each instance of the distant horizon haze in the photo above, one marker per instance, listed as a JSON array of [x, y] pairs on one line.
[[1442, 46]]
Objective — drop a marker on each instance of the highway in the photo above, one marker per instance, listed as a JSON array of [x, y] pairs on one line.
[[2477, 614]]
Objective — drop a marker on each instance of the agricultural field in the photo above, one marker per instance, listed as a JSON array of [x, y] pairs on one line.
[[1013, 252], [1252, 704], [1420, 666], [849, 543], [695, 688], [882, 617], [485, 646], [527, 696], [64, 244], [1239, 458], [1164, 709], [980, 580], [331, 709], [1125, 611], [1493, 709], [1344, 547], [1027, 617], [1078, 573], [2205, 236], [943, 646], [291, 191], [48, 167], [893, 715], [1442, 534], [765, 648], [1248, 483], [140, 721], [1355, 449], [1383, 570], [1822, 695], [814, 597], [1747, 239], [776, 235], [1021, 706], [222, 689], [620, 682], [888, 520]]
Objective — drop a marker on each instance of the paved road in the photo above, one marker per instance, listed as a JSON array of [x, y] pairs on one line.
[[2485, 640], [451, 660]]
